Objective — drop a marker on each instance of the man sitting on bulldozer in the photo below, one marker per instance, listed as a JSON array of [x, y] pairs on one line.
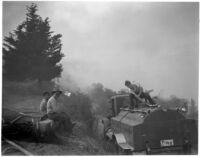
[[137, 92]]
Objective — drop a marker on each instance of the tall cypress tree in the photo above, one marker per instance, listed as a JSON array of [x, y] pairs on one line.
[[32, 51]]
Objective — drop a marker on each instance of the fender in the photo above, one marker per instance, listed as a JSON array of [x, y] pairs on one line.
[[119, 139]]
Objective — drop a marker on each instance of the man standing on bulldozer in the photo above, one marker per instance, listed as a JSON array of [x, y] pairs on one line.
[[54, 112], [137, 92]]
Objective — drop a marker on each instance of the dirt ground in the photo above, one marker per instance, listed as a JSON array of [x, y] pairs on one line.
[[74, 146], [79, 143]]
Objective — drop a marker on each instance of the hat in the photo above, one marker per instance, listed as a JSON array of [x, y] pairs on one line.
[[55, 90]]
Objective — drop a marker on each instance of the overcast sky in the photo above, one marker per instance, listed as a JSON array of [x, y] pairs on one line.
[[154, 44]]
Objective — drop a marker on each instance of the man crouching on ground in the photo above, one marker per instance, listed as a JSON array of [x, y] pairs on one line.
[[54, 112]]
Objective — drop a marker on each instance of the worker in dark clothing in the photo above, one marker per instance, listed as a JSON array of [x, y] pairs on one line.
[[137, 90]]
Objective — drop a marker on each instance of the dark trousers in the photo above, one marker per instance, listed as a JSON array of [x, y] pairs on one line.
[[147, 98], [134, 101], [62, 118]]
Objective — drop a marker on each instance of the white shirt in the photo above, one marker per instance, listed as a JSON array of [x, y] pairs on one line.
[[52, 105]]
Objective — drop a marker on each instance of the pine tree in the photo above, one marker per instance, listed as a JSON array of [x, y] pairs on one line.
[[31, 51]]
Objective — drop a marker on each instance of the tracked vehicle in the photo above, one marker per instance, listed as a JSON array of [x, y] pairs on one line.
[[148, 129]]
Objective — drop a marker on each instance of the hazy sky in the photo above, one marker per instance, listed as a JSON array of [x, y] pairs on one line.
[[155, 44]]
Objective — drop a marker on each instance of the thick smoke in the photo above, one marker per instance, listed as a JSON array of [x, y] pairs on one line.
[[100, 95], [173, 102]]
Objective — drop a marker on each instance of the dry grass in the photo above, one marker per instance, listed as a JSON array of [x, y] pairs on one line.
[[26, 96], [23, 96]]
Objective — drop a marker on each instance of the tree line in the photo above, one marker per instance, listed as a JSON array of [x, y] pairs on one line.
[[32, 51]]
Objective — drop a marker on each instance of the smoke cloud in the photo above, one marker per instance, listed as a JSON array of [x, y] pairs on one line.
[[154, 44]]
